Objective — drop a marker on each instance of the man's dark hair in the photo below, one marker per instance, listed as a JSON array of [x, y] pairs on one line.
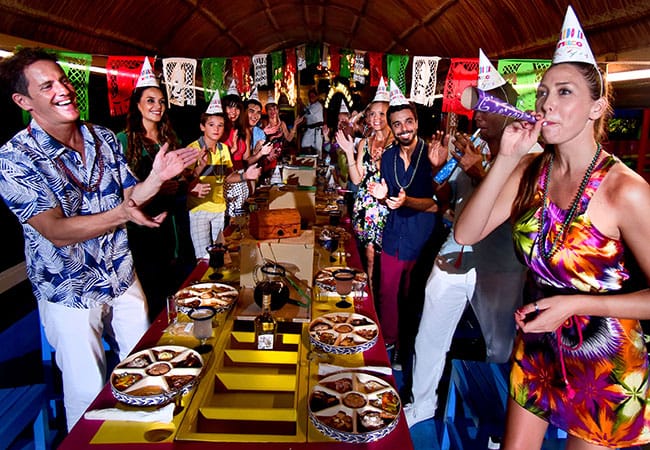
[[394, 108], [12, 68]]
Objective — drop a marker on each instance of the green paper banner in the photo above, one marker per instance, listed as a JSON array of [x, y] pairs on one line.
[[276, 63], [312, 54], [346, 55], [77, 67], [212, 70], [396, 65], [524, 75]]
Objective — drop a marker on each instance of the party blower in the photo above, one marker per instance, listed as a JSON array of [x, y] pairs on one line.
[[478, 100]]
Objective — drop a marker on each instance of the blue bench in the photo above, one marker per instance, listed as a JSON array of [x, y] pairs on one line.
[[476, 407], [20, 407], [23, 405]]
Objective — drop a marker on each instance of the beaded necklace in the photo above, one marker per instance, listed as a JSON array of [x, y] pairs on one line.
[[572, 210], [99, 161], [417, 163]]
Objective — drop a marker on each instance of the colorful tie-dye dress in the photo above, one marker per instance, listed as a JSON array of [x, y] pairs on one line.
[[590, 377]]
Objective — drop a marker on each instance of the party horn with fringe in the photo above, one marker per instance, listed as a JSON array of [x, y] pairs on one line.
[[478, 100]]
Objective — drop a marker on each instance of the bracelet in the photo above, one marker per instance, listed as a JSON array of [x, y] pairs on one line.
[[241, 175]]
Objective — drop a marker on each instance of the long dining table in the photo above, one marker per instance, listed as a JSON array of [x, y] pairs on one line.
[[99, 434]]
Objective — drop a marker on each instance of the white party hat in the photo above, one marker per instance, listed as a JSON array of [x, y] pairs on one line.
[[343, 109], [215, 105], [573, 45], [382, 94], [270, 100], [147, 77], [488, 77], [254, 96], [232, 89], [396, 96]]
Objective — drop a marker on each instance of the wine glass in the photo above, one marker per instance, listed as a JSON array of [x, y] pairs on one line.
[[202, 326], [216, 252], [344, 279]]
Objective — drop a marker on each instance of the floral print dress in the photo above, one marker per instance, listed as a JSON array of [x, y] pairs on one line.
[[590, 377], [369, 216]]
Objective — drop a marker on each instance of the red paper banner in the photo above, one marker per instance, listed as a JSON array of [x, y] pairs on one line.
[[122, 73], [335, 59], [463, 72], [241, 66], [375, 61]]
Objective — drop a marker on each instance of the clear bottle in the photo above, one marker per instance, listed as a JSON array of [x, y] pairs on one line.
[[265, 325]]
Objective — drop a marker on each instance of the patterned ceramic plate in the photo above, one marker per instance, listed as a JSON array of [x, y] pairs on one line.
[[325, 278], [354, 407], [343, 333], [217, 295], [156, 375]]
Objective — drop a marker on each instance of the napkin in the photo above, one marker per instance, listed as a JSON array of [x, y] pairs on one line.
[[326, 369], [164, 414]]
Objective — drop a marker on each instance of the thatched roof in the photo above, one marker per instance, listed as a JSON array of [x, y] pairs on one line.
[[616, 30]]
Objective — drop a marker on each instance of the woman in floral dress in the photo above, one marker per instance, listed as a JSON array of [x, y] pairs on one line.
[[369, 215], [580, 225]]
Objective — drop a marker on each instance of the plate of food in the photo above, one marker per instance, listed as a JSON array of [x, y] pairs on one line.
[[154, 376], [343, 333], [324, 279], [354, 407], [217, 295]]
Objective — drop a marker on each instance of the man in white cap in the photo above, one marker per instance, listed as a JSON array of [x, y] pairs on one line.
[[487, 275], [70, 187], [312, 139], [407, 190]]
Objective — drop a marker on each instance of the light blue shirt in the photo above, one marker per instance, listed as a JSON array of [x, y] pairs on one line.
[[38, 173]]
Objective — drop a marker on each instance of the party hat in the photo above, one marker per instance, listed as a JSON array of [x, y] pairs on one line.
[[232, 89], [573, 45], [215, 105], [488, 77], [270, 100], [343, 109], [396, 96], [147, 77], [253, 97], [382, 94]]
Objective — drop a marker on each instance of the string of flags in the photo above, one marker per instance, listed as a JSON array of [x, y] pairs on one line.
[[277, 71]]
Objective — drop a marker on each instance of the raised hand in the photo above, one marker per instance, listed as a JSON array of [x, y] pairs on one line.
[[437, 149], [519, 137], [378, 190], [346, 143], [169, 164]]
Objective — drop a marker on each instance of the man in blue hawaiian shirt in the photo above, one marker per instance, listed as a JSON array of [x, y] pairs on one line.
[[70, 188]]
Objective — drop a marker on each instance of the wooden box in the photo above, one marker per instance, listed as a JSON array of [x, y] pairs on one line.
[[275, 223], [301, 198]]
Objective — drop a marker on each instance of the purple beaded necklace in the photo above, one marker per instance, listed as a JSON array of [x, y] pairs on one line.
[[541, 240]]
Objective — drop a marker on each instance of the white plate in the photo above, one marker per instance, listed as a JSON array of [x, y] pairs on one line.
[[156, 375], [217, 295], [354, 407], [325, 278], [343, 333]]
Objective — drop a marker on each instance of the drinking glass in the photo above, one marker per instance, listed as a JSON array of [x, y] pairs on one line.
[[344, 279], [216, 252], [202, 326]]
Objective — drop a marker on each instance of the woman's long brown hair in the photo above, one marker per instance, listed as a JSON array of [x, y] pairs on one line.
[[598, 88]]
